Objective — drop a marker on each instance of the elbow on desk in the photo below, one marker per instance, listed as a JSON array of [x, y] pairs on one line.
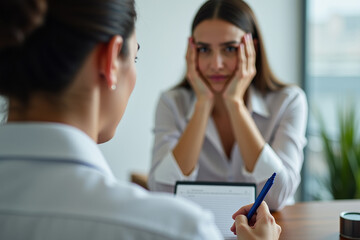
[[155, 186], [282, 193]]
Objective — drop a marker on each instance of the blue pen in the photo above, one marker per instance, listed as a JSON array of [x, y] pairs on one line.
[[261, 196]]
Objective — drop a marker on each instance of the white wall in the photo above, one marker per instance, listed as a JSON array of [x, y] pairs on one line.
[[163, 27], [280, 23]]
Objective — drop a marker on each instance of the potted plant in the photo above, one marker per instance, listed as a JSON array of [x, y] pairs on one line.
[[343, 155]]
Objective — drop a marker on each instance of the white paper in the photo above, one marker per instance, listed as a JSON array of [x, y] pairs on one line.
[[222, 200]]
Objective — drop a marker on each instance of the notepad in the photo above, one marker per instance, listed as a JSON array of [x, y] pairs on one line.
[[222, 199]]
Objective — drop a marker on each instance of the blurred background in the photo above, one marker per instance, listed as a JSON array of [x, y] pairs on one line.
[[312, 43], [332, 85]]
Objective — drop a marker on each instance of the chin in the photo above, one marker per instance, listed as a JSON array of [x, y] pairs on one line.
[[106, 136], [108, 132], [102, 139], [217, 89]]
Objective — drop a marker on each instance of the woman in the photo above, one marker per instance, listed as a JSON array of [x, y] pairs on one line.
[[67, 70], [230, 119]]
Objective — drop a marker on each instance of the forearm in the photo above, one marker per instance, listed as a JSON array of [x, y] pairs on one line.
[[187, 150], [247, 135]]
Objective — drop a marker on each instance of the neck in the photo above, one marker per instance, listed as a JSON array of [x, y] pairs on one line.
[[47, 108]]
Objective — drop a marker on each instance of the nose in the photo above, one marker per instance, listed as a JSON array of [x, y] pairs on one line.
[[217, 61]]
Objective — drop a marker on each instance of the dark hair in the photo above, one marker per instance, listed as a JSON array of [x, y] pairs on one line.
[[43, 43], [238, 13]]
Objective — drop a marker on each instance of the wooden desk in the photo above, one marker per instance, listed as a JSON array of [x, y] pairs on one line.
[[313, 220]]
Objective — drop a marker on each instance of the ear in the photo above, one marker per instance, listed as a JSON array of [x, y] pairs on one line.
[[110, 62]]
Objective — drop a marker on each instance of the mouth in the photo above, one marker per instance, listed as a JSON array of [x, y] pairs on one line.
[[218, 78]]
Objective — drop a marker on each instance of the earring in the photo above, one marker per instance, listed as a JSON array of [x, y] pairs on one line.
[[113, 87]]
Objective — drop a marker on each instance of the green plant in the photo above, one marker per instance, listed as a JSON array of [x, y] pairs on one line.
[[343, 155]]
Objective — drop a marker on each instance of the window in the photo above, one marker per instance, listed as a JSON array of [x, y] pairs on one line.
[[332, 77]]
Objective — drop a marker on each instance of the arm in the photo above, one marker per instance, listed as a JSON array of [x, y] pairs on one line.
[[261, 226], [284, 131], [247, 135], [284, 152], [187, 150], [170, 121], [178, 142]]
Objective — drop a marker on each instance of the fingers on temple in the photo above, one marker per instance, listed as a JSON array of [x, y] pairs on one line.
[[250, 52], [190, 56], [242, 59], [189, 50]]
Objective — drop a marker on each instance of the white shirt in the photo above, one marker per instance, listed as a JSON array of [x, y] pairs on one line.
[[55, 184], [281, 118]]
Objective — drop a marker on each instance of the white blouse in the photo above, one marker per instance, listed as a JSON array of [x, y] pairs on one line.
[[281, 117]]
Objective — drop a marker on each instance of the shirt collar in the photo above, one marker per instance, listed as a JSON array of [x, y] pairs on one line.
[[256, 103], [51, 142]]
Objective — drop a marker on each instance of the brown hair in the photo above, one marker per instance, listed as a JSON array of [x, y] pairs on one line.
[[43, 43], [238, 13]]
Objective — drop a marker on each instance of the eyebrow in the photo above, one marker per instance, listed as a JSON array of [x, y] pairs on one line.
[[221, 44], [138, 46]]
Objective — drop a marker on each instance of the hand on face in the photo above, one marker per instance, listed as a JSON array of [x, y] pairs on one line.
[[200, 88], [245, 72], [261, 226]]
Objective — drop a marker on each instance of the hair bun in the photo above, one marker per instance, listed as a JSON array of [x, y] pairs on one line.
[[18, 18]]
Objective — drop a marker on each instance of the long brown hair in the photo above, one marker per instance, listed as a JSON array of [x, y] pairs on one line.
[[238, 13]]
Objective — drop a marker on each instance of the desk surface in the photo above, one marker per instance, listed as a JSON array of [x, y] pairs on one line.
[[313, 220]]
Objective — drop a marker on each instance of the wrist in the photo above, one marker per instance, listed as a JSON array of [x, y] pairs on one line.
[[234, 104], [204, 104]]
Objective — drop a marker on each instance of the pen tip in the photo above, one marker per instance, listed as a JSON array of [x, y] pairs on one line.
[[273, 176]]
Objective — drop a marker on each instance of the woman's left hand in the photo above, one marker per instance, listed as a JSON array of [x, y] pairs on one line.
[[246, 70]]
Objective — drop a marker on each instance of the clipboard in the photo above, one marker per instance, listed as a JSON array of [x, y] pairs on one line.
[[223, 199]]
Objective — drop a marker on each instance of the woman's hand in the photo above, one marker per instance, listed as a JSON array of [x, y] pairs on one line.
[[261, 226], [202, 91], [246, 71]]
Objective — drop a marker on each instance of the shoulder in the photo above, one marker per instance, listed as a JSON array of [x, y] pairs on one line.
[[290, 91], [288, 95], [95, 199], [293, 91], [179, 100], [177, 94], [132, 205]]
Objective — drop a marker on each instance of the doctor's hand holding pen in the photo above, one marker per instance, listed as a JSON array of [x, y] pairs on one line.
[[262, 225]]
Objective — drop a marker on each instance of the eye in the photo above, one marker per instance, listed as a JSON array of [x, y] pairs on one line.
[[231, 49], [136, 59], [203, 49]]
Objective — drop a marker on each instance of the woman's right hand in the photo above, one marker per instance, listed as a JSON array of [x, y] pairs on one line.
[[261, 226], [202, 91]]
